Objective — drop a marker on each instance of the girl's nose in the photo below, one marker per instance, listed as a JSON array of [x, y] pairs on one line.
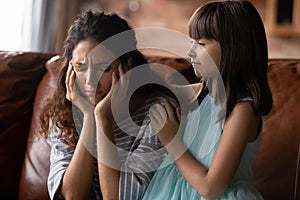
[[191, 52]]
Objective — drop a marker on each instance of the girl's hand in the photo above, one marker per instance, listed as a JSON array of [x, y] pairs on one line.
[[73, 93], [165, 120]]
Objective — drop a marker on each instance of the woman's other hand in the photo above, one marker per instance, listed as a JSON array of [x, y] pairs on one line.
[[73, 93], [103, 109]]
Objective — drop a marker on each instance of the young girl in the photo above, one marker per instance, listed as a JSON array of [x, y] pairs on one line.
[[221, 135]]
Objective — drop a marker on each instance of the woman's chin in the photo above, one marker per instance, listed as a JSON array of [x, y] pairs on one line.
[[95, 99]]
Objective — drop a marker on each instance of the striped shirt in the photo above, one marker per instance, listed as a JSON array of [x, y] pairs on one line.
[[140, 154]]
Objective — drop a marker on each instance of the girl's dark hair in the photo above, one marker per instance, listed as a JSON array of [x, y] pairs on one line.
[[98, 26], [237, 26]]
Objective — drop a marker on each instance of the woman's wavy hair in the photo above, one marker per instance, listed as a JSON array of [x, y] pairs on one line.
[[98, 26], [237, 26]]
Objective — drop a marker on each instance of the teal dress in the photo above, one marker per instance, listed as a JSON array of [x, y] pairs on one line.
[[201, 135]]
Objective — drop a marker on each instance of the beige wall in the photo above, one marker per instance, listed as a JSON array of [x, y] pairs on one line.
[[174, 14]]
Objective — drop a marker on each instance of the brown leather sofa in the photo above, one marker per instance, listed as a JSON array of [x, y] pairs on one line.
[[26, 80]]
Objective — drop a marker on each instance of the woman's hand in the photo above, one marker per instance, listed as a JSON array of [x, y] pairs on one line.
[[73, 93], [103, 111], [165, 120]]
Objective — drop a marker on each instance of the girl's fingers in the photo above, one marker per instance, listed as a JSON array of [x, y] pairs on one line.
[[158, 116], [161, 113], [156, 112], [169, 108], [153, 120]]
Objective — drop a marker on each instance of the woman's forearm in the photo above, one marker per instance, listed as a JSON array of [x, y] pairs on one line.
[[77, 179], [108, 160]]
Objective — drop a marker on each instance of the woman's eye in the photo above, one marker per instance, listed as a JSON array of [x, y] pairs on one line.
[[80, 67], [108, 69], [103, 68]]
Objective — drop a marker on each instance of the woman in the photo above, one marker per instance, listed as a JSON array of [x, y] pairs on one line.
[[94, 65]]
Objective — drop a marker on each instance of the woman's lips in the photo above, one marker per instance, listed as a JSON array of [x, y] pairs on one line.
[[91, 92]]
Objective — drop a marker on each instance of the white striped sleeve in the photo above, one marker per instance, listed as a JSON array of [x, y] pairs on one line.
[[141, 163], [60, 158]]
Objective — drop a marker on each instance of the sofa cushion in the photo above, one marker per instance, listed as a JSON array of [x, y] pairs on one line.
[[20, 74], [33, 183], [276, 167], [179, 64]]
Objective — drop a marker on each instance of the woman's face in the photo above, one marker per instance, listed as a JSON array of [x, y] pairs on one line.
[[205, 57], [93, 68]]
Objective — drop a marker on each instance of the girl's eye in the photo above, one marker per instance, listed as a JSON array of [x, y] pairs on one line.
[[201, 43]]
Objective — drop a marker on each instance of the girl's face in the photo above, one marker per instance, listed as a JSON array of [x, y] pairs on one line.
[[205, 57], [93, 69]]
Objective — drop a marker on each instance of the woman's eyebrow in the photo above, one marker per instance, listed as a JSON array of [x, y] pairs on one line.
[[102, 63]]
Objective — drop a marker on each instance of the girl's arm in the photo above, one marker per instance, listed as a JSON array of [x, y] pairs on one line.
[[240, 128]]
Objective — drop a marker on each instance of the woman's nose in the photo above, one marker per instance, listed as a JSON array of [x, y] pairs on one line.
[[92, 77]]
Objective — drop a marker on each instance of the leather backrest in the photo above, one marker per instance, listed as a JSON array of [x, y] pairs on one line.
[[33, 183], [276, 166], [20, 74]]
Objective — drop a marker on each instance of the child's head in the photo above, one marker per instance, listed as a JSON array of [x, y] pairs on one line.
[[238, 28]]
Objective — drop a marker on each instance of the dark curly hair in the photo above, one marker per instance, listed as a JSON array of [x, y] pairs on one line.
[[98, 26]]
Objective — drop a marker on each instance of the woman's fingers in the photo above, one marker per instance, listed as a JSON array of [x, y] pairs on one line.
[[114, 80], [68, 74], [178, 115], [70, 82], [72, 79], [121, 70], [124, 81], [67, 82]]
